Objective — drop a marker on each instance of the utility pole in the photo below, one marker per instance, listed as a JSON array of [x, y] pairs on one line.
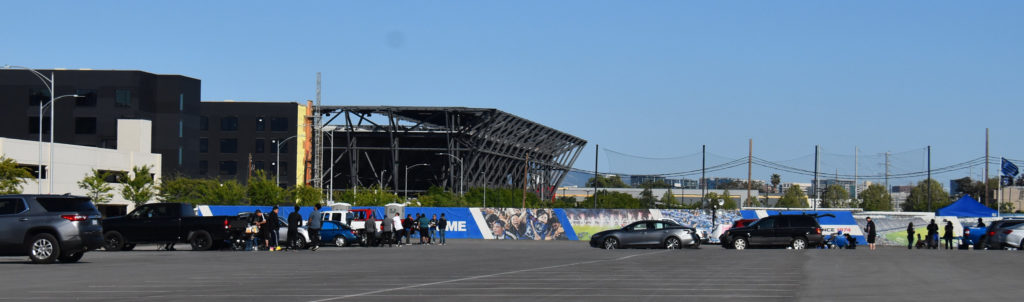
[[986, 169], [704, 182], [929, 178], [597, 148], [855, 159], [318, 156], [817, 195], [887, 171], [750, 158]]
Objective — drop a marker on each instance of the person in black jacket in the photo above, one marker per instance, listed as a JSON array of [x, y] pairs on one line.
[[407, 225], [442, 224], [273, 224], [910, 236], [294, 219], [933, 235], [871, 234], [371, 232], [981, 223], [948, 236]]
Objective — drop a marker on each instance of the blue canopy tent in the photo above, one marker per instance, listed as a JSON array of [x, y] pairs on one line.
[[967, 207]]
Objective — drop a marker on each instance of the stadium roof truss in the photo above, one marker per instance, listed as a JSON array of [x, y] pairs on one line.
[[494, 145]]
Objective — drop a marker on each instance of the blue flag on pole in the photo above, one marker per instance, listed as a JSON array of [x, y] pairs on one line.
[[1009, 169]]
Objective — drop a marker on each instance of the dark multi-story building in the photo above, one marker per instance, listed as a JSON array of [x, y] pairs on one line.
[[238, 138], [171, 102]]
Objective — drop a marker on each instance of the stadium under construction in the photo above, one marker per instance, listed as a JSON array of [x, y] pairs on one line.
[[410, 149]]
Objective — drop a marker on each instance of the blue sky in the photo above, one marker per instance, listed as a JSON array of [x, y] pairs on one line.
[[648, 78]]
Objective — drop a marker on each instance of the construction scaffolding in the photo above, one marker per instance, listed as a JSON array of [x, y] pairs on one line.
[[494, 146]]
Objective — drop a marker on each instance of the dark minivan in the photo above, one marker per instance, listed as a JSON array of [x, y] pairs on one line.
[[47, 228], [796, 231]]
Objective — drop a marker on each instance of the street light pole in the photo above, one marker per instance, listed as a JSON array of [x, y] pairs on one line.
[[48, 82], [278, 164], [407, 167], [462, 173]]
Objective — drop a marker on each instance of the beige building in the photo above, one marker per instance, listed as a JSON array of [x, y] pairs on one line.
[[1013, 195]]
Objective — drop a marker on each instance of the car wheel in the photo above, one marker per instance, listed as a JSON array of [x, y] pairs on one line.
[[128, 247], [201, 241], [339, 241], [71, 258], [113, 241], [799, 243], [362, 239], [300, 244], [739, 243], [43, 248], [611, 244], [673, 243]]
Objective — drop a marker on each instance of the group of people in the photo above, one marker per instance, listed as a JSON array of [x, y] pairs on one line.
[[931, 240], [266, 226], [432, 230]]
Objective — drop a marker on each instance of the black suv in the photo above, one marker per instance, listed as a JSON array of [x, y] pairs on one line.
[[47, 228], [797, 231]]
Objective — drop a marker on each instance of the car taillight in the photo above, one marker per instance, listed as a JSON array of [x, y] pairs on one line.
[[74, 217], [818, 230], [226, 223], [993, 233], [355, 233], [1007, 232]]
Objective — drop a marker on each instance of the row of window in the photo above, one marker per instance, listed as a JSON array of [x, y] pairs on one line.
[[230, 167], [230, 145], [230, 123], [83, 125], [88, 97]]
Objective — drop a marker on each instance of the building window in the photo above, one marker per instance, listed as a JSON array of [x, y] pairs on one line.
[[181, 128], [38, 96], [204, 145], [284, 168], [87, 98], [260, 145], [229, 123], [261, 124], [85, 125], [229, 145], [33, 124], [259, 166], [124, 98], [179, 155], [228, 167], [279, 124], [34, 170], [204, 167], [204, 123], [115, 177]]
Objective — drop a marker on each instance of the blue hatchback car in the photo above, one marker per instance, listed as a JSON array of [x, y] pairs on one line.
[[338, 233]]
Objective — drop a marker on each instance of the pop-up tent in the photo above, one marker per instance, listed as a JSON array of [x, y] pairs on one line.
[[966, 207]]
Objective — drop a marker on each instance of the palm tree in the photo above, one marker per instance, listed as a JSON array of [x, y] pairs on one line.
[[776, 180]]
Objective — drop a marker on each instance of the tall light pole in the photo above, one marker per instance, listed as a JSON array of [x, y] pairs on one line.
[[48, 82], [407, 167], [462, 173], [330, 190], [278, 164]]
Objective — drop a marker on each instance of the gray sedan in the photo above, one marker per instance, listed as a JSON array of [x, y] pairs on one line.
[[648, 233]]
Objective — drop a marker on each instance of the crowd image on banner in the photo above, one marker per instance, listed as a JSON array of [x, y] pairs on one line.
[[587, 222], [701, 219], [524, 224]]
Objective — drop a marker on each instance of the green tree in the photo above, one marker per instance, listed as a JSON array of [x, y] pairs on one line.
[[1006, 207], [179, 188], [565, 202], [794, 197], [262, 190], [647, 198], [753, 201], [917, 201], [305, 195], [729, 202], [776, 180], [97, 186], [222, 193], [668, 200], [614, 200], [139, 187], [613, 181], [12, 177], [368, 196], [876, 198], [835, 197]]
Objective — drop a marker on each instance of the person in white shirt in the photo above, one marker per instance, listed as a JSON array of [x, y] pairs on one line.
[[399, 232]]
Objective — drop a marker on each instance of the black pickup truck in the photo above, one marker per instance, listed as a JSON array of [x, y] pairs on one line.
[[168, 222]]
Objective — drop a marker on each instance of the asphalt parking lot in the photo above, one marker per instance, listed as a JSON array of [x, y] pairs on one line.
[[478, 270]]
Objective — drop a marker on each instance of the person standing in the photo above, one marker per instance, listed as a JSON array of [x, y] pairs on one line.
[[260, 222], [948, 236], [910, 236], [399, 228], [981, 223], [315, 221], [273, 224], [871, 234], [424, 225], [442, 225], [371, 231], [933, 235], [407, 228], [386, 231], [433, 229], [294, 220]]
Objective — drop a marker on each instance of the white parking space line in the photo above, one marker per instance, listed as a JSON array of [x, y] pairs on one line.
[[482, 276]]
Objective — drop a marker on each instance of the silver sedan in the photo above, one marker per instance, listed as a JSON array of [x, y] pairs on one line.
[[648, 233]]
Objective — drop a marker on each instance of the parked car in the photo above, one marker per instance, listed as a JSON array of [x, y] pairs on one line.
[[356, 219], [737, 224], [796, 231], [48, 228], [168, 222], [1013, 236], [338, 233], [282, 234], [995, 237], [647, 233]]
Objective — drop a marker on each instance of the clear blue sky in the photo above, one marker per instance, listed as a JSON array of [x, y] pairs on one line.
[[649, 78]]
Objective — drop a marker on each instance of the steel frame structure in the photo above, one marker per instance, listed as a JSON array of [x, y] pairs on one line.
[[492, 144]]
